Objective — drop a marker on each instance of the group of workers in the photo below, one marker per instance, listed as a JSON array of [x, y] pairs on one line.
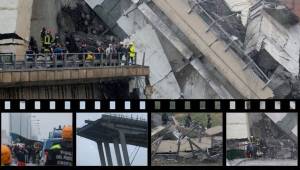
[[53, 46], [187, 120], [60, 153]]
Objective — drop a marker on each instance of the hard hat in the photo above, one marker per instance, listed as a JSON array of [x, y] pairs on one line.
[[131, 43], [5, 155], [67, 133]]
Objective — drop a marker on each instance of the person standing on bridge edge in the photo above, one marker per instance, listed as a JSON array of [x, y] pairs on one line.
[[83, 51], [61, 154], [109, 53], [121, 53], [43, 34], [132, 53], [48, 39], [5, 155]]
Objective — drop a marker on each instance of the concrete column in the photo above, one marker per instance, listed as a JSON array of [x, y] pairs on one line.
[[108, 155], [101, 153], [124, 148], [118, 153]]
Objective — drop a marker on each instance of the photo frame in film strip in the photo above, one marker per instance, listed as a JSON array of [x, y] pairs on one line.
[[150, 133]]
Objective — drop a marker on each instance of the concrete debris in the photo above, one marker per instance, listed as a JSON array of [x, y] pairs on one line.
[[192, 144], [272, 136], [171, 146], [217, 130], [84, 25], [15, 15], [276, 36], [220, 11], [206, 49]]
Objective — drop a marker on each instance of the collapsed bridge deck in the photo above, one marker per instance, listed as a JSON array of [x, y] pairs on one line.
[[115, 130]]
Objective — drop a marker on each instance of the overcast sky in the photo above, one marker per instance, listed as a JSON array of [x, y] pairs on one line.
[[87, 150], [50, 120]]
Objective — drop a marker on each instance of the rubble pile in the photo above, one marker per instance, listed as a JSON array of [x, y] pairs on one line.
[[81, 22], [270, 137], [269, 39], [229, 20], [274, 143], [175, 144]]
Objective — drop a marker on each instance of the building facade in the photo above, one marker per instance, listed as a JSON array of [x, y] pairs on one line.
[[20, 123]]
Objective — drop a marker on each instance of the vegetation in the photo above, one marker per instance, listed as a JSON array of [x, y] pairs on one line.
[[201, 118]]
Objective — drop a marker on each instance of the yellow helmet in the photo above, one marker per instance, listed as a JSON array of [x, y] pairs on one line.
[[5, 155], [67, 133]]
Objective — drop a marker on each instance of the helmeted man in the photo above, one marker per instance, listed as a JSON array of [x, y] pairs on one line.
[[48, 39], [61, 154], [5, 155], [132, 53]]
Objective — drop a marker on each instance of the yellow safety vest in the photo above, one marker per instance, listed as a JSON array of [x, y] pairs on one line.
[[56, 146], [132, 52], [47, 40], [90, 57]]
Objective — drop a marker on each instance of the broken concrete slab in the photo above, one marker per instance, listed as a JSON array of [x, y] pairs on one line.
[[161, 74], [14, 36], [280, 40], [232, 68], [217, 130], [170, 146], [157, 130]]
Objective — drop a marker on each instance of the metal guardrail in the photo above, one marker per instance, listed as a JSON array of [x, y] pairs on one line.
[[235, 44], [63, 60]]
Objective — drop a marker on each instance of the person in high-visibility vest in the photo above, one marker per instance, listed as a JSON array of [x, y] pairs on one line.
[[61, 154], [90, 57], [132, 53], [5, 155], [43, 34], [47, 42]]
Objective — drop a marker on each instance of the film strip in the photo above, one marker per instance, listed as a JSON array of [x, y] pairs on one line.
[[142, 112], [149, 105]]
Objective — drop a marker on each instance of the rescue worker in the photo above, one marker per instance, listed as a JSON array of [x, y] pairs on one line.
[[5, 155], [47, 42], [188, 120], [132, 53], [61, 154], [209, 124], [251, 148], [43, 34], [90, 57]]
